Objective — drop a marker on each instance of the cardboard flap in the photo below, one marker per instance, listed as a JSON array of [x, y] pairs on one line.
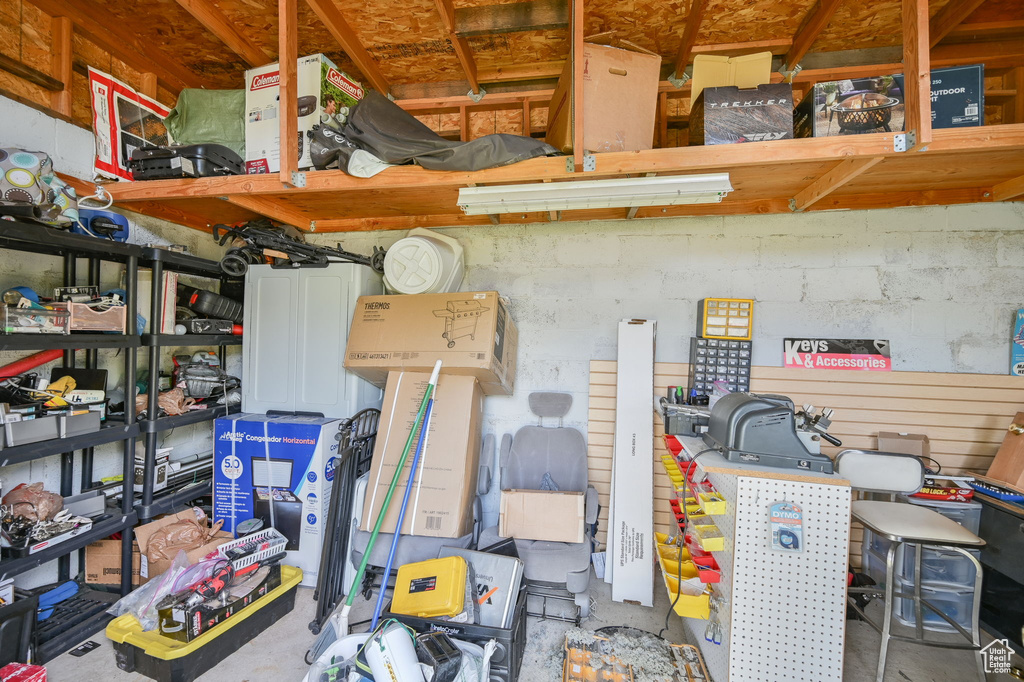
[[745, 71], [1008, 465]]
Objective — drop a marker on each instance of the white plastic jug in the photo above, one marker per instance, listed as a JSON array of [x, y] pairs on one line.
[[424, 262]]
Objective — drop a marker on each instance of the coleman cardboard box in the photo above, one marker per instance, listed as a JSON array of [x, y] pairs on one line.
[[554, 516], [471, 333], [620, 99], [150, 568], [103, 563], [441, 503]]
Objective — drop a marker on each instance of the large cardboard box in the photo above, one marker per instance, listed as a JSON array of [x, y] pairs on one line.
[[916, 444], [1008, 465], [441, 503], [325, 95], [1017, 345], [472, 333], [103, 563], [620, 101], [727, 115], [554, 516], [149, 569], [279, 469]]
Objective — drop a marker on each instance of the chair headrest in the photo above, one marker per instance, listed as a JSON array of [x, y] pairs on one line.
[[550, 404]]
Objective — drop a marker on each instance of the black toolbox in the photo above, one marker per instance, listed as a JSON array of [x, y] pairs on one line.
[[186, 161], [511, 642]]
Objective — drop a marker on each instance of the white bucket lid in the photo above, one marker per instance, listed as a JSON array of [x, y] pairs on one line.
[[413, 265]]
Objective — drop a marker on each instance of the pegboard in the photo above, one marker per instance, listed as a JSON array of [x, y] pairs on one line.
[[788, 609]]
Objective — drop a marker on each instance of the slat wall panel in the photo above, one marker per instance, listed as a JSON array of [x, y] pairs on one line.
[[963, 415]]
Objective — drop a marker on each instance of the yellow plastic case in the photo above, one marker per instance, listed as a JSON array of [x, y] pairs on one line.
[[712, 503], [431, 589]]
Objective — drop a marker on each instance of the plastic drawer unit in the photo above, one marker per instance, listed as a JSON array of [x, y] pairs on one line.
[[953, 600]]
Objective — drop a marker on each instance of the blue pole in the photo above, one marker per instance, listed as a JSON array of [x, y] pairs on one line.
[[401, 516]]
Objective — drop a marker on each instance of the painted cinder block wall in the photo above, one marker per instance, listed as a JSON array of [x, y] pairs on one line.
[[941, 283]]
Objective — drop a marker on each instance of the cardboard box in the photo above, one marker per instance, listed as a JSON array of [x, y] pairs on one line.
[[957, 101], [472, 333], [279, 467], [1017, 345], [904, 443], [103, 563], [620, 100], [555, 516], [325, 95], [1008, 465], [727, 115], [151, 569], [441, 504]]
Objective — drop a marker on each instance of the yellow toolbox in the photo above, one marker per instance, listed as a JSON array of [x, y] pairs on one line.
[[431, 589]]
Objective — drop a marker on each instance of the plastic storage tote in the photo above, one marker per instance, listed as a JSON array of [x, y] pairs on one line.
[[940, 566], [424, 262], [967, 514], [954, 601]]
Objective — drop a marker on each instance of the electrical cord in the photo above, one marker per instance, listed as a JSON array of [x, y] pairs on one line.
[[938, 469], [686, 524]]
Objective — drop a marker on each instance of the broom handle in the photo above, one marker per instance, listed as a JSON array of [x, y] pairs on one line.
[[391, 489]]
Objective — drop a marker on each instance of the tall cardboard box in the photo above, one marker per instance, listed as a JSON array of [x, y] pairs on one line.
[[325, 95], [620, 101], [278, 468], [472, 334], [441, 503]]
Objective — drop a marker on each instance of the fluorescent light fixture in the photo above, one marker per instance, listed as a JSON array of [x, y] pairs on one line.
[[668, 190]]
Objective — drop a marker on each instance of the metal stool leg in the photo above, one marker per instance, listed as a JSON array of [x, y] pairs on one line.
[[890, 579], [975, 616]]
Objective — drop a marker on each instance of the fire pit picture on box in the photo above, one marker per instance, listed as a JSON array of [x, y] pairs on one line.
[[864, 112]]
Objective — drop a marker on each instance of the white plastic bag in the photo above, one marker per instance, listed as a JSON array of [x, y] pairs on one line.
[[142, 601]]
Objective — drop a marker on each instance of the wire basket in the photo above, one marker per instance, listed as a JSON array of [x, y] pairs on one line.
[[861, 113], [269, 543]]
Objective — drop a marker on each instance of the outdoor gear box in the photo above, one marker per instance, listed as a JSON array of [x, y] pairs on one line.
[[160, 658], [441, 504], [958, 96], [620, 100], [471, 333], [318, 82], [291, 460], [185, 623], [727, 115], [549, 515], [103, 563], [150, 569]]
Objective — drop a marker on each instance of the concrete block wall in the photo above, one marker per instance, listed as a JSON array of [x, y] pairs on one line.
[[940, 283]]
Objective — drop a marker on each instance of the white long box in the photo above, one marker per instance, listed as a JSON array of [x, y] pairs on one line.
[[631, 529]]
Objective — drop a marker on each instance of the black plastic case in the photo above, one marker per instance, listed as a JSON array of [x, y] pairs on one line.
[[186, 161]]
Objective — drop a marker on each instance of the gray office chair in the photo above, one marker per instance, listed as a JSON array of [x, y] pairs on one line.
[[907, 524], [558, 570]]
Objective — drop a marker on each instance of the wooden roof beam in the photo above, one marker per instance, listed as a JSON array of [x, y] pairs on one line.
[[110, 33], [335, 23], [532, 15], [219, 25], [990, 29], [1010, 189], [693, 21], [814, 23], [460, 44], [26, 72], [61, 62], [842, 173], [949, 17], [288, 56], [917, 80], [270, 208]]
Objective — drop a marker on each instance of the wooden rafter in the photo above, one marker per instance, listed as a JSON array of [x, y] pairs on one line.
[[34, 76], [1010, 189], [459, 44], [335, 23], [61, 63], [147, 84], [578, 63], [274, 210], [817, 19], [532, 15], [693, 21], [916, 73], [988, 29], [111, 34], [219, 25], [842, 173], [288, 55], [949, 17]]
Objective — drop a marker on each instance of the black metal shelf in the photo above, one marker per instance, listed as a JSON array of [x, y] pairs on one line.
[[192, 340], [111, 433], [183, 262], [24, 236], [72, 341], [115, 523], [187, 419], [167, 501]]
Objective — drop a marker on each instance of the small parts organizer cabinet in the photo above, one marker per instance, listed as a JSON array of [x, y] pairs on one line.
[[782, 613]]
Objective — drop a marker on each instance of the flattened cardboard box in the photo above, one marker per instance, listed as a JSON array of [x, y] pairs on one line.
[[441, 503], [151, 569], [472, 334], [555, 516], [103, 563]]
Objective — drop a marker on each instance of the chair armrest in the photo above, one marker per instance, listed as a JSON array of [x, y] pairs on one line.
[[591, 505]]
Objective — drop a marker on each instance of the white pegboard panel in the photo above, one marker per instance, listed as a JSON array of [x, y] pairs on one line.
[[788, 609]]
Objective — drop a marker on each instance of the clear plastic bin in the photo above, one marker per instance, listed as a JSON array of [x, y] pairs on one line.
[[873, 565], [953, 600], [967, 514], [939, 565]]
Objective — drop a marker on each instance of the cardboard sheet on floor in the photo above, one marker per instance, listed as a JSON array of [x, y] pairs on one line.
[[631, 531]]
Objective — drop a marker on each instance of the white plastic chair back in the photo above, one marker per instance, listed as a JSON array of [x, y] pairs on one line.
[[883, 472]]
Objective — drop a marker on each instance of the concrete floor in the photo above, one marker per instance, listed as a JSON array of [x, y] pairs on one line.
[[276, 655]]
